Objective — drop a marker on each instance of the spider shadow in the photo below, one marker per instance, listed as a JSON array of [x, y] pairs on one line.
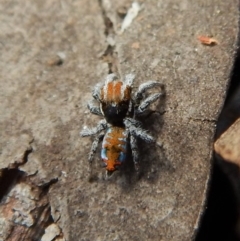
[[152, 158]]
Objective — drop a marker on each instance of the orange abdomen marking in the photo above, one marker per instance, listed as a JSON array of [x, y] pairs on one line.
[[114, 147]]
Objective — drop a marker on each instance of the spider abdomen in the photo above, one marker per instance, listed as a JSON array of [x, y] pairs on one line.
[[114, 147]]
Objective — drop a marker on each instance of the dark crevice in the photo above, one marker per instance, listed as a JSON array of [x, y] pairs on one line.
[[221, 217], [26, 154], [43, 215], [9, 177], [109, 59], [38, 230], [231, 109], [234, 84], [45, 187], [110, 54], [12, 175]]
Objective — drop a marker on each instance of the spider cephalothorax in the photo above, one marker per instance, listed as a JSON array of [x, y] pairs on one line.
[[120, 109], [115, 100]]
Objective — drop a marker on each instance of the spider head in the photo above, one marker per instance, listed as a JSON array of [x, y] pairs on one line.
[[116, 101]]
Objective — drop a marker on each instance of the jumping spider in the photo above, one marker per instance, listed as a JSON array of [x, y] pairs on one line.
[[119, 128]]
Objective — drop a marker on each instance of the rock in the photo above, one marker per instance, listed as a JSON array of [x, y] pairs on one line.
[[51, 232], [43, 108]]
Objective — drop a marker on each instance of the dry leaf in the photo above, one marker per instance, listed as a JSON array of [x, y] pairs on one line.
[[207, 40]]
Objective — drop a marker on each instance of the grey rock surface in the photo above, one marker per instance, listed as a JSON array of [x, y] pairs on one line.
[[54, 52]]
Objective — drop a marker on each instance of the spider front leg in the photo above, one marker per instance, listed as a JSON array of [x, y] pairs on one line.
[[145, 103], [94, 109], [140, 94], [143, 88]]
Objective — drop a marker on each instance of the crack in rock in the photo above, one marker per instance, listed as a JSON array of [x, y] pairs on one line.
[[204, 120], [110, 55]]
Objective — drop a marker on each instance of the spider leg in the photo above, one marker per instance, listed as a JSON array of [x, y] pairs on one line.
[[145, 103], [97, 92], [144, 87], [137, 131], [129, 78], [94, 109], [134, 148], [94, 147], [90, 132]]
